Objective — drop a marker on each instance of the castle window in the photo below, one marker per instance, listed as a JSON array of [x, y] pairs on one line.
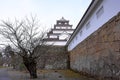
[[88, 25], [59, 23], [68, 27], [100, 12], [66, 23], [52, 36], [57, 27], [63, 27]]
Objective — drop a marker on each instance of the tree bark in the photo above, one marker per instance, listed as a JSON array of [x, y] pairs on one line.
[[31, 64]]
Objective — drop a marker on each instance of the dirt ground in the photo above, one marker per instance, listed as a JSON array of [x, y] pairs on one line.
[[48, 75]]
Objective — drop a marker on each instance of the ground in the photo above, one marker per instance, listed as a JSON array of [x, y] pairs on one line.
[[43, 75], [4, 75]]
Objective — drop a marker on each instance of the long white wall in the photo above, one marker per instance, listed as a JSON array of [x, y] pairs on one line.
[[107, 9], [59, 43]]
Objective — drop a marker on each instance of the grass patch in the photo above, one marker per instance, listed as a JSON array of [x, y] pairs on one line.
[[45, 71], [69, 73], [66, 73], [2, 67]]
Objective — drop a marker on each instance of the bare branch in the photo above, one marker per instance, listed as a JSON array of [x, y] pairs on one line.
[[24, 35]]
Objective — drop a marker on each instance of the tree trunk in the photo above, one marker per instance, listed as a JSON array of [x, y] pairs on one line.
[[31, 64]]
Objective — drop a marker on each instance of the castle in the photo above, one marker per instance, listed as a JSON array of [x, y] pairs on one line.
[[94, 46], [60, 34]]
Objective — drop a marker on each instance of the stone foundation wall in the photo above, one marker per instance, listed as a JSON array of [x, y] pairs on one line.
[[99, 54], [55, 58]]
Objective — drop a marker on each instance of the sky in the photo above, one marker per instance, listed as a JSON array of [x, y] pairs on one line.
[[47, 11]]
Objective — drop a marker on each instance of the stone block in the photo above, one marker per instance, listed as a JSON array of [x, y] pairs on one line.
[[56, 58], [117, 36], [118, 19], [104, 38], [94, 52], [102, 32], [98, 47], [111, 37], [116, 46]]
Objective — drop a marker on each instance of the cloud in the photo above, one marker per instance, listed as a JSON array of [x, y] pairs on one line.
[[47, 10]]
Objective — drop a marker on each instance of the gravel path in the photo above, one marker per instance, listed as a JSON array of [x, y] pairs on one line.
[[48, 75], [11, 74], [4, 75]]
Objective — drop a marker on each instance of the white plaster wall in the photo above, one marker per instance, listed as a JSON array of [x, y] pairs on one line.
[[57, 31], [69, 32], [60, 43], [62, 31], [53, 36], [111, 8]]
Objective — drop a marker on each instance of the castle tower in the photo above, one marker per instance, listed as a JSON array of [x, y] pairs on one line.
[[60, 33]]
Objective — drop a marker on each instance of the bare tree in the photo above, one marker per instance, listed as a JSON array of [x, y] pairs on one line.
[[26, 37]]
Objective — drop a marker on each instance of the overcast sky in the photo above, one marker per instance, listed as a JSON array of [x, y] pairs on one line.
[[47, 11]]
